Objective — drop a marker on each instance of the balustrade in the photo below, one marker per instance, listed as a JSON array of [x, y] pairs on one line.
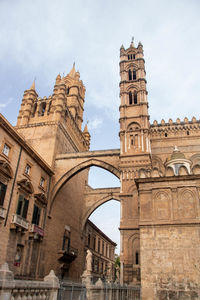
[[11, 289]]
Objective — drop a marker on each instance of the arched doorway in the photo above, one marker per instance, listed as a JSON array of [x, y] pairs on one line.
[[73, 203]]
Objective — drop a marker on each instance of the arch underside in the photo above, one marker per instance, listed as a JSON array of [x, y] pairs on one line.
[[98, 202], [75, 170]]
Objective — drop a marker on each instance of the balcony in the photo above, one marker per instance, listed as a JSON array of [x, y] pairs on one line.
[[37, 230], [2, 212], [68, 255], [18, 221]]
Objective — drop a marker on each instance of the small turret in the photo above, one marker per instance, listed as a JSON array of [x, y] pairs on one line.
[[58, 79], [30, 96], [87, 136]]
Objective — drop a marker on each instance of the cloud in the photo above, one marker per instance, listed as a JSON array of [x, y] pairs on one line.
[[95, 123], [5, 104]]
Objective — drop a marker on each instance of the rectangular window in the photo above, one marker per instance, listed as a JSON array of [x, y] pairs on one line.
[[22, 207], [42, 180], [94, 243], [99, 245], [27, 169], [36, 215], [6, 149], [88, 241], [3, 188]]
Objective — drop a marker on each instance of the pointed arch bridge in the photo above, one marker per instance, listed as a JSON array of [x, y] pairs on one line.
[[69, 164]]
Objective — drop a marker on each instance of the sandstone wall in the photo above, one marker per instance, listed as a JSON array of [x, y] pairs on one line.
[[170, 237]]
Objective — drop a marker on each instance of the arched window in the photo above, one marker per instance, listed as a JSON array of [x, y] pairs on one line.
[[132, 140], [137, 258], [130, 98], [42, 108], [34, 109], [49, 107], [129, 75], [135, 98], [134, 75]]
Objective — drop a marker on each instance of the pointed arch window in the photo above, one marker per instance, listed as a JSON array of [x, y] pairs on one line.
[[34, 109], [129, 75], [137, 258], [130, 98], [134, 75], [42, 109], [135, 98], [50, 102]]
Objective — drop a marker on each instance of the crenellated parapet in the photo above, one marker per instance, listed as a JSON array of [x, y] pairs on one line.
[[177, 128]]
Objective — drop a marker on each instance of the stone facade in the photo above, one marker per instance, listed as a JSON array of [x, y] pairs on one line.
[[103, 252], [159, 170], [33, 240], [24, 192]]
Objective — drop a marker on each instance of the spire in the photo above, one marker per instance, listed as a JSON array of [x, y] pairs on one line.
[[132, 45], [73, 71], [33, 85], [140, 44], [87, 135], [58, 78], [86, 128]]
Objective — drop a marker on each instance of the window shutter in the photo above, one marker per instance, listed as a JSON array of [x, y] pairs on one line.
[[19, 206], [3, 188], [25, 208]]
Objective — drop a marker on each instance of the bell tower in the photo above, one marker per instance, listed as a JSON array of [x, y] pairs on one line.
[[135, 154], [53, 125], [134, 117]]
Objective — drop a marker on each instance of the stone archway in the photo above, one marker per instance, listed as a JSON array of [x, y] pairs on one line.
[[109, 194], [78, 168]]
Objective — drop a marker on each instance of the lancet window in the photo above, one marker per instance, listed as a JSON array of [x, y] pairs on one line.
[[132, 98], [132, 75], [131, 56]]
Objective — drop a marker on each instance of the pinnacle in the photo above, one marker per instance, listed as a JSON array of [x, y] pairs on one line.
[[73, 71], [132, 44], [33, 85], [86, 128]]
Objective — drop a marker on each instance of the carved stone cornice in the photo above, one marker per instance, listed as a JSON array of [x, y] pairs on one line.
[[26, 186]]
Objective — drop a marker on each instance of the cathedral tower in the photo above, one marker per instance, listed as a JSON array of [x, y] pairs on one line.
[[53, 125], [134, 118], [135, 154]]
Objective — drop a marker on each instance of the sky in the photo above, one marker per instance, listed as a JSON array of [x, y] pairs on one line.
[[40, 39]]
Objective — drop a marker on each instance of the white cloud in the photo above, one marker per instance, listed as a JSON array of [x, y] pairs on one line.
[[95, 123], [5, 104]]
